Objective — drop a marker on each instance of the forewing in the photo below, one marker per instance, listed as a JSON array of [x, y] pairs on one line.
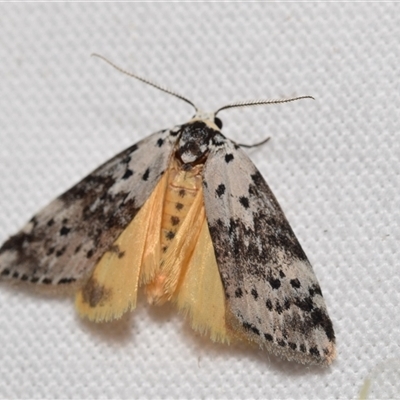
[[271, 290], [63, 242]]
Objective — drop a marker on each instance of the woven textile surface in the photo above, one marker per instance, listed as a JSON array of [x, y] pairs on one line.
[[332, 163]]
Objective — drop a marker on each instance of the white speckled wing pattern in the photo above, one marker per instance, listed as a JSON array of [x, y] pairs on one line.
[[62, 243], [271, 289]]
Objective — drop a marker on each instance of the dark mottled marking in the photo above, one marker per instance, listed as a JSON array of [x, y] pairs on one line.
[[60, 252], [34, 279], [268, 337], [64, 231], [278, 307], [314, 351], [275, 283], [146, 174], [127, 174], [286, 304], [295, 283], [46, 281], [50, 222], [179, 206], [160, 142], [292, 345], [64, 281], [65, 221], [34, 221], [174, 220], [314, 290], [24, 277], [89, 253], [50, 251], [251, 327], [115, 249], [257, 179], [304, 304], [321, 318], [164, 249], [134, 148], [228, 158], [126, 160], [282, 274], [169, 235], [220, 190], [77, 248], [94, 294], [182, 193], [244, 201], [281, 342], [268, 303], [238, 293], [5, 272], [15, 275], [303, 348], [254, 293]]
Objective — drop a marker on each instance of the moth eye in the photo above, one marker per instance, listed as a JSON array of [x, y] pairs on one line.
[[218, 122]]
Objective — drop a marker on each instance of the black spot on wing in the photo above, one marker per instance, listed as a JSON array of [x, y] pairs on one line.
[[292, 345], [251, 327], [65, 281], [94, 293], [244, 201], [229, 158], [268, 337], [220, 190], [61, 251], [274, 282], [169, 235], [314, 351], [238, 292], [128, 173], [174, 220], [64, 231], [295, 283], [315, 290], [146, 175]]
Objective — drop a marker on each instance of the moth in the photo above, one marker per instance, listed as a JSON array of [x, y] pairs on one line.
[[185, 214]]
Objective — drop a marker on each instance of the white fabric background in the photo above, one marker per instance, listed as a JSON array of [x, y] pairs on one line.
[[332, 163]]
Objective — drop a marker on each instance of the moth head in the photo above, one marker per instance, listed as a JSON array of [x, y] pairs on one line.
[[195, 136], [209, 118]]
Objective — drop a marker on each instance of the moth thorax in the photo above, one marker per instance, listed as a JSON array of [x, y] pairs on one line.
[[194, 141], [183, 186]]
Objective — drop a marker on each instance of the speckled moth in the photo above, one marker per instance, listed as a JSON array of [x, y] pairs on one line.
[[187, 215]]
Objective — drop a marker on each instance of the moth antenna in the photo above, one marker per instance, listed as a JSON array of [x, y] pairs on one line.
[[249, 146], [163, 89], [261, 102]]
